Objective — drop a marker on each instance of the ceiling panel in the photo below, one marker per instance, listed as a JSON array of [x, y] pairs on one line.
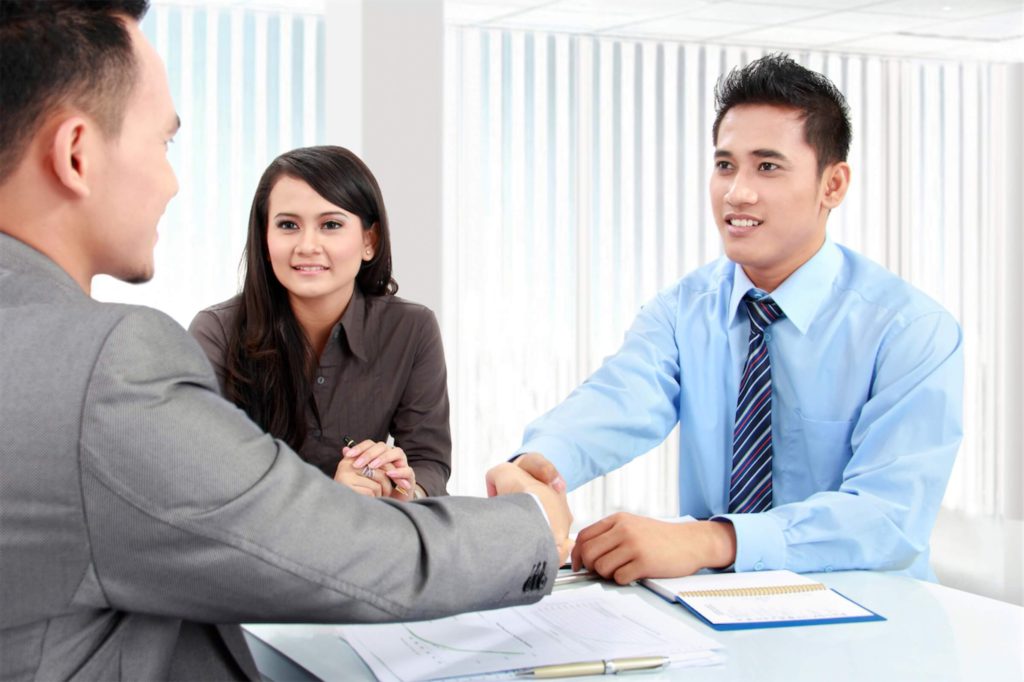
[[945, 9], [682, 26], [476, 12], [870, 22], [754, 13], [981, 29], [652, 7], [561, 20], [818, 4], [794, 37], [992, 27]]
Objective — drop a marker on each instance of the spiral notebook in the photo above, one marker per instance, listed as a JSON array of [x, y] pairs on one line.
[[765, 599]]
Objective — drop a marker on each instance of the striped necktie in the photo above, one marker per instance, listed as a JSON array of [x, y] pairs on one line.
[[750, 487]]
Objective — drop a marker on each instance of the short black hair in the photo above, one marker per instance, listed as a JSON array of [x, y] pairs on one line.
[[62, 52], [777, 79]]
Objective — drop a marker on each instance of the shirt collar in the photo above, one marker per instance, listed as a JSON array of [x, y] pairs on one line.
[[802, 293], [353, 324]]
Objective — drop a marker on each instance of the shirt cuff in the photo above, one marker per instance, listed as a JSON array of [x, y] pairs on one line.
[[541, 507], [555, 450], [760, 545]]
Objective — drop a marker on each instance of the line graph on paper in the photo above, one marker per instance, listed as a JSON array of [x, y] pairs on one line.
[[561, 629]]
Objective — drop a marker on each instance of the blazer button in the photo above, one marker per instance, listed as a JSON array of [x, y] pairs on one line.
[[537, 579], [320, 380]]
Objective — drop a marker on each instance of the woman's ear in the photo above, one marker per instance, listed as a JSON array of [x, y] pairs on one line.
[[370, 239], [68, 154]]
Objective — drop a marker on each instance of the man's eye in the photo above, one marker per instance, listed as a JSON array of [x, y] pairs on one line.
[[769, 166], [723, 165]]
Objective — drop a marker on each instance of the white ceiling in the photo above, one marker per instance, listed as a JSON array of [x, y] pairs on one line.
[[991, 30]]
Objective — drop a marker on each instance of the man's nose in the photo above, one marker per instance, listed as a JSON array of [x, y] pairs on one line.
[[740, 192]]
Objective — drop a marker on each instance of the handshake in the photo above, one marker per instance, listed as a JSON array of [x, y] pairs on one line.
[[533, 473], [622, 547]]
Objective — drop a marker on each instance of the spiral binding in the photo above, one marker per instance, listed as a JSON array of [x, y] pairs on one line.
[[754, 591]]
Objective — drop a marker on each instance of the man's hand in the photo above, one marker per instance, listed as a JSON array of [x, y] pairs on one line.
[[540, 468], [509, 478], [625, 547]]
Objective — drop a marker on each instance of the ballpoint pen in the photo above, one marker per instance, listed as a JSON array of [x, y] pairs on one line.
[[608, 667], [569, 578], [367, 471]]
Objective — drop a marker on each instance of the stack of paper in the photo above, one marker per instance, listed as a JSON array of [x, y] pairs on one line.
[[572, 626]]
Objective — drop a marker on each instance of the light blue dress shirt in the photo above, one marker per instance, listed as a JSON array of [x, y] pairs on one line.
[[867, 411]]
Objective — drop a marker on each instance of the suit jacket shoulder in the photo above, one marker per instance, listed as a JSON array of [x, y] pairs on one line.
[[134, 497]]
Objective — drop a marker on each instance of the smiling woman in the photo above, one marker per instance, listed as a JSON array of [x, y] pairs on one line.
[[316, 348]]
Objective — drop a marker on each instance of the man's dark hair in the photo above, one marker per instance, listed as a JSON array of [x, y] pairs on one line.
[[777, 79], [53, 53]]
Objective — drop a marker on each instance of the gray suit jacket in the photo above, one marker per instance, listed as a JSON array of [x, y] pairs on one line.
[[137, 507]]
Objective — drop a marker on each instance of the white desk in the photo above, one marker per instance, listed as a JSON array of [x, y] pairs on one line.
[[931, 633]]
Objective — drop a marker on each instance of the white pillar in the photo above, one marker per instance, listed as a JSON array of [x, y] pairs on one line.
[[384, 80]]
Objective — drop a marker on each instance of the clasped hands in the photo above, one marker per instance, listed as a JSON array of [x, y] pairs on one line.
[[375, 469], [622, 547]]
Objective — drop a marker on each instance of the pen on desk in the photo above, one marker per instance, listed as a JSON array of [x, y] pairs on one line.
[[570, 578], [608, 667], [367, 471]]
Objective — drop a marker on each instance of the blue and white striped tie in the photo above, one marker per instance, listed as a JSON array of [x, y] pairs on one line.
[[750, 487]]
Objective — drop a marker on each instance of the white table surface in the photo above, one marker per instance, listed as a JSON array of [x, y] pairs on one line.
[[931, 633]]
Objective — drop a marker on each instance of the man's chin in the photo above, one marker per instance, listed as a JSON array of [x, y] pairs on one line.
[[140, 277], [740, 251]]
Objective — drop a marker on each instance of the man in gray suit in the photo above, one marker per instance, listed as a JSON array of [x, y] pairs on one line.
[[138, 508]]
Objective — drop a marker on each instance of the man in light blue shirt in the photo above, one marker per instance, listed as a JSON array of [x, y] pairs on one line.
[[819, 439]]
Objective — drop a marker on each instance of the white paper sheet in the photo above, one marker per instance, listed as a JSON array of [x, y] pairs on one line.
[[577, 625]]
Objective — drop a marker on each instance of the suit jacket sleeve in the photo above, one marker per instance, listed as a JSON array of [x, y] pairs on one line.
[[205, 517]]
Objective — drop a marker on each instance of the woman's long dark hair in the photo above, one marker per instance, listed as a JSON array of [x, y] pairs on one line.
[[270, 361]]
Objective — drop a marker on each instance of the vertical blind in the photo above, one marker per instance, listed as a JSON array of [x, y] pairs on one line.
[[248, 85], [576, 188]]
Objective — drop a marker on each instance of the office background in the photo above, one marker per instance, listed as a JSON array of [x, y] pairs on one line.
[[545, 164]]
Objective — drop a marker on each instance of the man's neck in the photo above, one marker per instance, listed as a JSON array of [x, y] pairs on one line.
[[56, 244], [36, 213], [770, 279]]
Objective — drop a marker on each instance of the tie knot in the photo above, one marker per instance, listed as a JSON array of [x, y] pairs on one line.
[[762, 311]]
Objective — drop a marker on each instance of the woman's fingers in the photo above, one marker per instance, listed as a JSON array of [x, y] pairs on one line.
[[395, 456]]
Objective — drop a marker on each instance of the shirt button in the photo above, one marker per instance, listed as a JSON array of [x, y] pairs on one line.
[[767, 336], [828, 569], [759, 565], [320, 380]]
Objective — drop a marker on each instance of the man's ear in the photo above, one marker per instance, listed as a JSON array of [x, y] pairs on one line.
[[837, 180], [68, 154]]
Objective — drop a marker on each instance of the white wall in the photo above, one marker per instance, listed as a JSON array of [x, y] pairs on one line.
[[384, 99]]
